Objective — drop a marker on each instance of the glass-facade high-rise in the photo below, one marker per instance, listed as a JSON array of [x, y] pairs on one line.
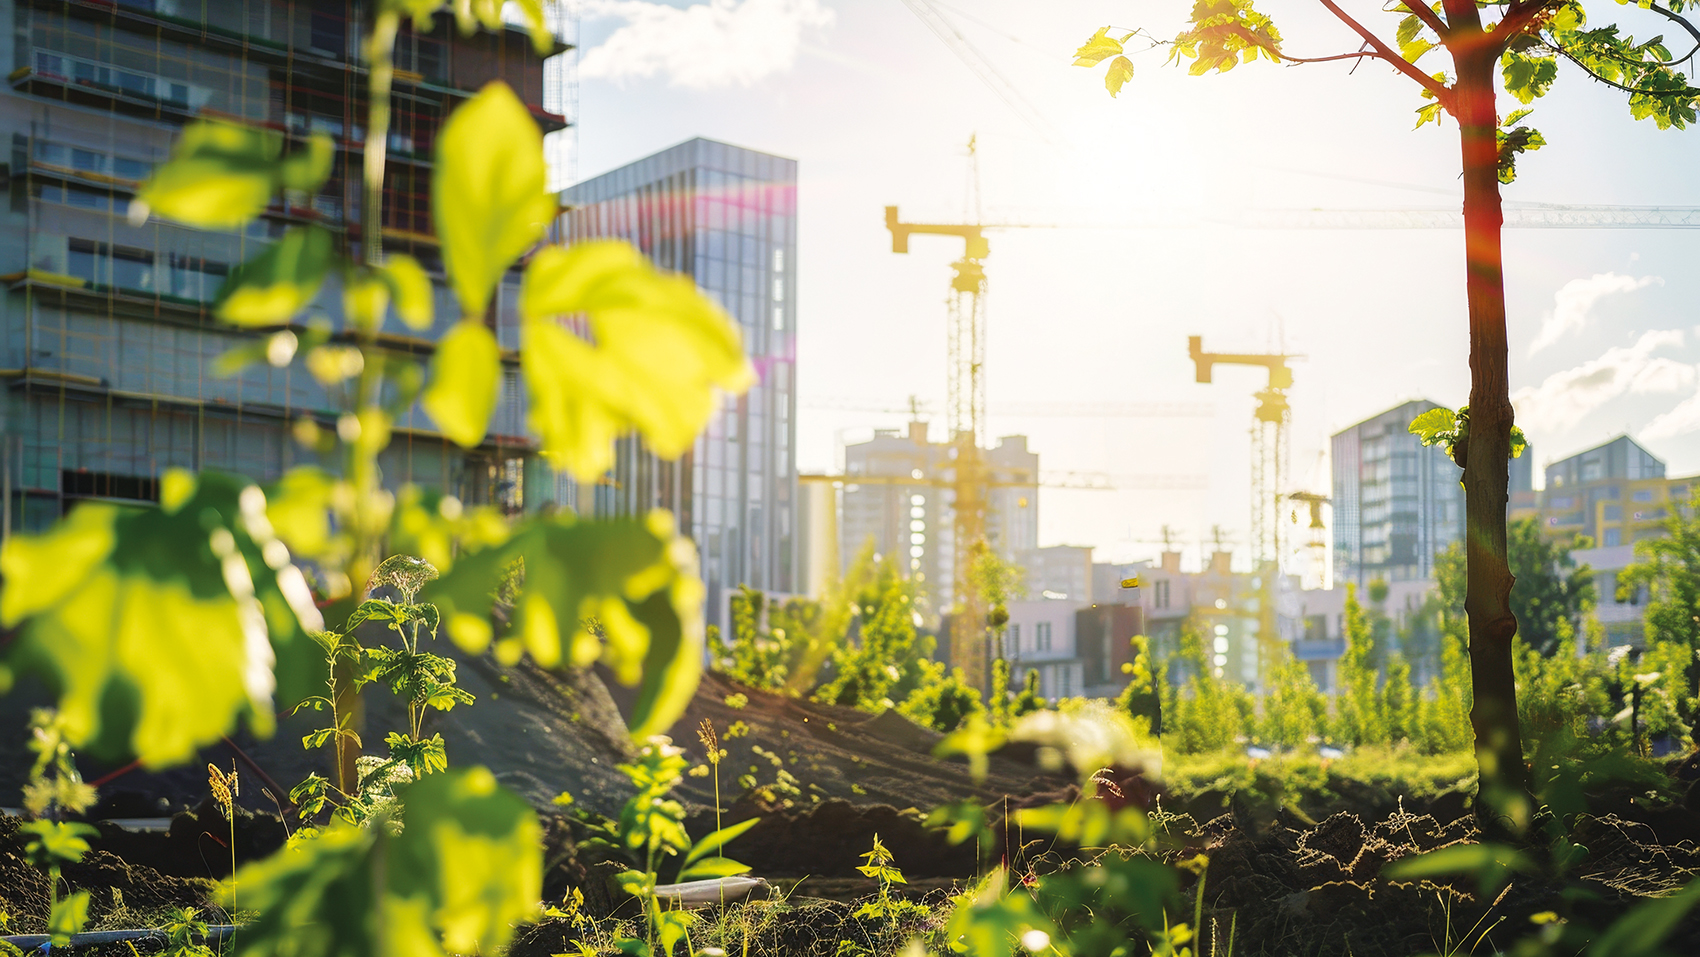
[[1396, 502], [108, 339], [727, 217]]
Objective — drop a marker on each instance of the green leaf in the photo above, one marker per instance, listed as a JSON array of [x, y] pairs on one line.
[[659, 351], [463, 871], [1120, 71], [220, 175], [712, 867], [623, 591], [1099, 47], [466, 382], [153, 623], [67, 917], [488, 191], [1644, 929], [1435, 425], [715, 841], [410, 289], [53, 843], [1491, 863], [274, 286], [671, 929]]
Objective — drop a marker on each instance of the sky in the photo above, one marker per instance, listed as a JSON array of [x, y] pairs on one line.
[[1604, 335]]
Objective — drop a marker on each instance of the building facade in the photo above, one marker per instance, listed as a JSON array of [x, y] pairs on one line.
[[1396, 502], [726, 217], [903, 504], [1606, 499], [109, 339], [1059, 572]]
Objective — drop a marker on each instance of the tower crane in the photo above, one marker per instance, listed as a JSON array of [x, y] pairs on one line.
[[965, 408], [1268, 475]]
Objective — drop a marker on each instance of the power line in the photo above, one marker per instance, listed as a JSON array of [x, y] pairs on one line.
[[976, 61], [1024, 410]]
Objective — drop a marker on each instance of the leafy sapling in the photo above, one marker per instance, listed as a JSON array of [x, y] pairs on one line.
[[50, 846], [56, 787], [881, 867], [423, 681]]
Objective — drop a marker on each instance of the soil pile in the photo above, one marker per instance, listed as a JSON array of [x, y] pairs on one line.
[[830, 753], [1292, 889], [122, 894]]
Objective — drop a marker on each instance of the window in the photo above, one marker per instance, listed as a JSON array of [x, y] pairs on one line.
[[1613, 536], [1160, 594], [329, 33], [1015, 637], [1042, 636]]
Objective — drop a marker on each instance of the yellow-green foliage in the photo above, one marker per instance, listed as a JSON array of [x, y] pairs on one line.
[[1294, 711], [1395, 770], [1360, 718]]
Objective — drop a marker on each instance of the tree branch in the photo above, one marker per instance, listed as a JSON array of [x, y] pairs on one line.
[[1682, 22], [1687, 91], [1517, 19], [1440, 91], [1429, 18]]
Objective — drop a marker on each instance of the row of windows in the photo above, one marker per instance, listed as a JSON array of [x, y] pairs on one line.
[[96, 75], [129, 268], [92, 161]]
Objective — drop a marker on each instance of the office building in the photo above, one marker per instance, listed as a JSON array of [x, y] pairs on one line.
[[1059, 572], [1396, 502], [904, 504], [1606, 499], [109, 339], [726, 217]]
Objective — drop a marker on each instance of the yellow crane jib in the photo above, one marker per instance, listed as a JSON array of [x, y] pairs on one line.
[[972, 235], [1280, 376]]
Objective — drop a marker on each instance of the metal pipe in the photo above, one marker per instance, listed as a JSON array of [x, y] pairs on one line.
[[216, 934]]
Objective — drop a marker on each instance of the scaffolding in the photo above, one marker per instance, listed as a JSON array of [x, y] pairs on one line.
[[111, 362]]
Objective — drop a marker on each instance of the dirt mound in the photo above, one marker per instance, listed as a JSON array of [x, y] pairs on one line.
[[832, 753], [121, 893], [828, 840]]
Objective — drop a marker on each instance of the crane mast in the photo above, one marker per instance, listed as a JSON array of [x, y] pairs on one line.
[[1268, 477], [966, 417]]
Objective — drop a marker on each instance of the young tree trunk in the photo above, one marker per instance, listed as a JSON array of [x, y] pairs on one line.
[[1503, 779]]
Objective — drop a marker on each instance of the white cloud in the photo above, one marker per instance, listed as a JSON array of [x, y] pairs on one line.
[[1571, 303], [1564, 397], [718, 43], [1681, 420]]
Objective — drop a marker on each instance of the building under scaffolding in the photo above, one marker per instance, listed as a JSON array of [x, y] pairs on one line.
[[109, 341]]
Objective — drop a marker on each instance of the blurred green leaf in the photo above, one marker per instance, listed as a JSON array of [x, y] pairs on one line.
[[67, 917], [466, 867], [274, 286], [298, 505], [1492, 865], [152, 624], [487, 193], [220, 175], [1643, 930], [975, 739], [410, 289], [991, 921], [52, 843], [466, 382], [658, 351], [624, 592]]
